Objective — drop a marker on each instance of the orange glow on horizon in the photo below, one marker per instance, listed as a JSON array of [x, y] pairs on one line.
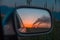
[[28, 25], [43, 25]]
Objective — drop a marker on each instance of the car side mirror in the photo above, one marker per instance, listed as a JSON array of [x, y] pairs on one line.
[[33, 21]]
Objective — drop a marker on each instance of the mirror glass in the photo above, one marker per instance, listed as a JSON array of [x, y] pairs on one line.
[[33, 20]]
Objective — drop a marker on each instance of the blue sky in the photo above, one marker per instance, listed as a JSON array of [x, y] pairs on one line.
[[31, 15]]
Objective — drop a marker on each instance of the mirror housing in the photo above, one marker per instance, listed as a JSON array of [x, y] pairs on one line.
[[20, 18]]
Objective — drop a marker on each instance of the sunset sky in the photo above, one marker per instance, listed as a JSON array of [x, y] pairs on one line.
[[29, 16]]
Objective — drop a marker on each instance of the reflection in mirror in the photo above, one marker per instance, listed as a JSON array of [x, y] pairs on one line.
[[33, 20]]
